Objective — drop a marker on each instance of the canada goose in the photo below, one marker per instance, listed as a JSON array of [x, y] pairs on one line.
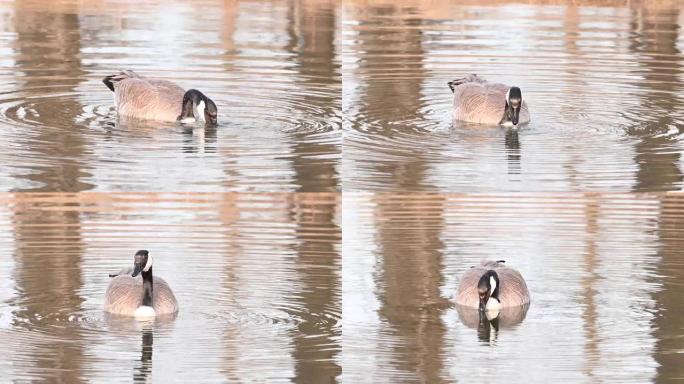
[[478, 101], [492, 286], [140, 297], [142, 98]]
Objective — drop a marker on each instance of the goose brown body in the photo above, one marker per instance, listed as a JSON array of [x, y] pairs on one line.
[[124, 296], [479, 101], [140, 97], [513, 290]]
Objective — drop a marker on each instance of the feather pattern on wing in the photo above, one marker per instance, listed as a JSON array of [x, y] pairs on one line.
[[482, 102], [124, 296], [143, 98]]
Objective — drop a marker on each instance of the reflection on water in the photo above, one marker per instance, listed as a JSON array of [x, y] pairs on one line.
[[488, 324], [143, 371], [257, 278], [271, 67], [603, 271], [604, 85]]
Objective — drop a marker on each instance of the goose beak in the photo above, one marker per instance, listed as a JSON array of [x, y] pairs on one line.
[[513, 111], [483, 301], [515, 116], [137, 268]]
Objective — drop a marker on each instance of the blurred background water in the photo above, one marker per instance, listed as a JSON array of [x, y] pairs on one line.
[[279, 276]]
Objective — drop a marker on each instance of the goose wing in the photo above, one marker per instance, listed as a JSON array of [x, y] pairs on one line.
[[139, 97], [478, 101], [467, 294], [513, 289], [163, 299], [124, 295]]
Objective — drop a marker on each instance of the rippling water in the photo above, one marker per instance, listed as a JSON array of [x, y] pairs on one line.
[[319, 232], [605, 274], [257, 278], [271, 68], [604, 86]]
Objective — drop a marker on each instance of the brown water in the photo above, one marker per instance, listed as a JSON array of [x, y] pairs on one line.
[[604, 86], [318, 233], [257, 278], [605, 273], [271, 68]]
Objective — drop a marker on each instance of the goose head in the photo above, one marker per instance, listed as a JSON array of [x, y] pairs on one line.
[[488, 289], [514, 102], [142, 262], [197, 106]]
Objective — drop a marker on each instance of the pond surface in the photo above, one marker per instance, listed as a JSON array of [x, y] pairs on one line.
[[605, 87], [271, 68], [257, 278], [605, 273], [318, 234]]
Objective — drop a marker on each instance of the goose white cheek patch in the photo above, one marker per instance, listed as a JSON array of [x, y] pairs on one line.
[[492, 282], [200, 110], [148, 265]]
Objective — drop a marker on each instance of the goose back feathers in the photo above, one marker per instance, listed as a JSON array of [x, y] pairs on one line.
[[124, 296], [140, 97], [512, 287], [479, 101]]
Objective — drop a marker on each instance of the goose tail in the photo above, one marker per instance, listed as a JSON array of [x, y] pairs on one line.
[[110, 80], [466, 79]]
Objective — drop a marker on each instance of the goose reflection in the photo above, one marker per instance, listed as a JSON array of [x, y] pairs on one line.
[[512, 143], [143, 371], [487, 329], [125, 327], [199, 140], [489, 324]]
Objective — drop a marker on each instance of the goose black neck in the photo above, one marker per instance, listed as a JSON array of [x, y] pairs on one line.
[[485, 283], [147, 288]]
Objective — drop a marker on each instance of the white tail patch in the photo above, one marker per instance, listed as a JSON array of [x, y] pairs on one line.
[[144, 311], [148, 265]]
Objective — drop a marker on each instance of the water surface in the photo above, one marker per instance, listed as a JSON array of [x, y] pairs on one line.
[[604, 272], [604, 84], [271, 68], [257, 278]]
